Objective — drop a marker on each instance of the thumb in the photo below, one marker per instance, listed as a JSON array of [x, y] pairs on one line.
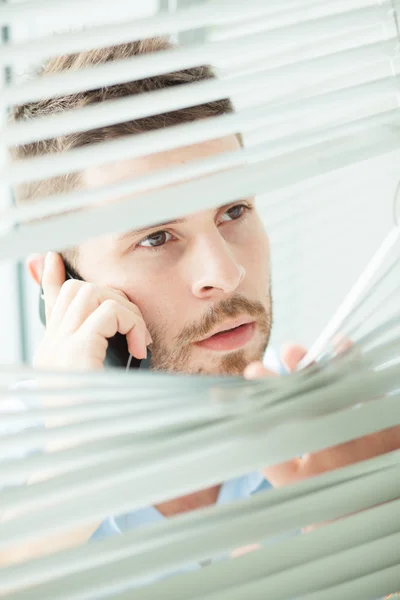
[[256, 370], [291, 355]]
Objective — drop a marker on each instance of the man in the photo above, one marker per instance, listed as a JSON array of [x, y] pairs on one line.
[[196, 291]]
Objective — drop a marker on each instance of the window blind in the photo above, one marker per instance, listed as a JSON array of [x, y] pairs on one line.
[[315, 87]]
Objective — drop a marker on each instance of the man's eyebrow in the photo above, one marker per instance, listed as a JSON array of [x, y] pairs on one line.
[[132, 232]]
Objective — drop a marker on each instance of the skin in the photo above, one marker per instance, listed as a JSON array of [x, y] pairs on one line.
[[218, 261], [166, 288]]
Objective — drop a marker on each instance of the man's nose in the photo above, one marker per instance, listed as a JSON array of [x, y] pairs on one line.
[[215, 271]]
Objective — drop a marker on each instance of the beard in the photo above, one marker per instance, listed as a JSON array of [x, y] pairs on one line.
[[179, 356]]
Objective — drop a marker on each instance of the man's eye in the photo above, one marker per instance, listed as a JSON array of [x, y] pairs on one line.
[[235, 212], [159, 238]]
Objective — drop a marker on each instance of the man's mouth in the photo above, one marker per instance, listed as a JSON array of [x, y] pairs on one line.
[[228, 338]]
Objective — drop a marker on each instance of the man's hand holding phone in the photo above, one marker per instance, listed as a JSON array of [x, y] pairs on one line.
[[81, 317]]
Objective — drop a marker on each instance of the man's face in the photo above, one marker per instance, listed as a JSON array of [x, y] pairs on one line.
[[208, 272]]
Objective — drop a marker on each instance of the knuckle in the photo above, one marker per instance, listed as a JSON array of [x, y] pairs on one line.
[[89, 287], [111, 305], [126, 301], [71, 285], [90, 345], [87, 290]]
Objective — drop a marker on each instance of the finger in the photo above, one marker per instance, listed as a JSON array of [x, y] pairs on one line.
[[52, 280], [69, 290], [88, 299], [110, 318], [138, 339], [256, 370], [291, 355], [137, 311]]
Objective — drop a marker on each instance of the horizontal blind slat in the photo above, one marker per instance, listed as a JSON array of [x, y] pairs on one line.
[[282, 555], [186, 469], [78, 559], [294, 79], [161, 140], [323, 569], [263, 176], [167, 61], [195, 17], [64, 8]]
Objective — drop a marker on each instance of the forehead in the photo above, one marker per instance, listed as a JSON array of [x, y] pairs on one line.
[[129, 168]]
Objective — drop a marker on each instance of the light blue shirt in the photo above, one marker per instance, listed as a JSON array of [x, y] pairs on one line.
[[233, 489]]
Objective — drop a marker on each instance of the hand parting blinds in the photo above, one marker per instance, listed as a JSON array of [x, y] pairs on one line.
[[316, 95]]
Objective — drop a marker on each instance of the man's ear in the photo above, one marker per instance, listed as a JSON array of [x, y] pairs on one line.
[[35, 265]]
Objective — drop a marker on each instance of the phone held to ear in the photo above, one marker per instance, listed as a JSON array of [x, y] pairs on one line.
[[117, 354]]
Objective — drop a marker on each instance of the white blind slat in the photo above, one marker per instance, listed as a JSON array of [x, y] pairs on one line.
[[323, 571], [186, 469], [280, 556], [198, 16], [299, 79], [148, 559], [78, 559], [18, 12], [169, 60], [215, 189]]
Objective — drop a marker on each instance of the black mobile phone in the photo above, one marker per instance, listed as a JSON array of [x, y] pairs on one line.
[[117, 354]]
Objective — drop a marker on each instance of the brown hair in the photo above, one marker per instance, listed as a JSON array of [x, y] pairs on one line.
[[73, 62]]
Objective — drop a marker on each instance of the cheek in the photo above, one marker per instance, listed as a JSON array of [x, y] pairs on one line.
[[260, 235], [93, 260], [157, 296], [256, 251]]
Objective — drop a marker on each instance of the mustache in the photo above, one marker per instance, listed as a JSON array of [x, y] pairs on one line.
[[235, 306]]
